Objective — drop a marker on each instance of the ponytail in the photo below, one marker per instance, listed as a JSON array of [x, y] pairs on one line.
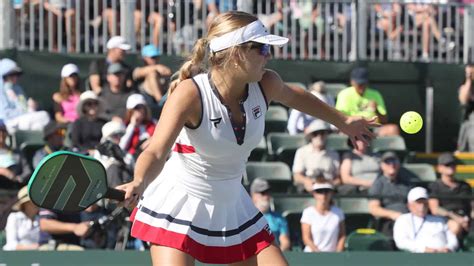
[[194, 64]]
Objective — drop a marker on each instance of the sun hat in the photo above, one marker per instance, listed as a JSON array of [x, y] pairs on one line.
[[118, 42], [23, 197]]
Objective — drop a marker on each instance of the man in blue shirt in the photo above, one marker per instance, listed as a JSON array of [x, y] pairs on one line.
[[260, 192]]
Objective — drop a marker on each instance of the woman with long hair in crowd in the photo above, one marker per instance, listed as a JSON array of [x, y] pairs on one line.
[[67, 99]]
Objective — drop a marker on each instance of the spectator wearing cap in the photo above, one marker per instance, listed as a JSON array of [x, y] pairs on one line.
[[458, 212], [260, 192], [114, 93], [22, 229], [152, 78], [53, 135], [86, 131], [66, 100], [313, 161], [298, 121], [389, 192], [140, 126], [117, 164], [17, 110], [359, 168], [98, 70], [419, 232], [360, 100], [322, 225], [14, 170]]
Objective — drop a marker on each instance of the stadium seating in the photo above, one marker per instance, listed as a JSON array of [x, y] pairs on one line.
[[293, 219], [282, 203], [357, 213], [282, 146], [28, 150], [338, 142], [278, 174], [260, 152], [276, 119], [333, 89], [390, 143], [32, 136], [3, 238], [468, 243], [367, 240], [421, 171]]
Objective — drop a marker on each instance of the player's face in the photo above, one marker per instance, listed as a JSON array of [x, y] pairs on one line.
[[256, 60]]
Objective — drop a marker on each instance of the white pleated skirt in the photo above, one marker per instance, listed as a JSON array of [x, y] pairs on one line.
[[214, 221]]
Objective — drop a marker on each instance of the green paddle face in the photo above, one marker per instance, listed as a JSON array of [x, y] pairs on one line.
[[67, 182]]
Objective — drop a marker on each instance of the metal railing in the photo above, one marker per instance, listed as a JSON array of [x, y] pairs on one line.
[[338, 30]]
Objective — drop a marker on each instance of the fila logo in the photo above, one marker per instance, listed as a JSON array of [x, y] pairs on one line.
[[216, 121], [257, 112]]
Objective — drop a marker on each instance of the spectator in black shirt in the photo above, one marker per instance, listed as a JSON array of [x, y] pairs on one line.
[[458, 211], [115, 93], [86, 131], [117, 48]]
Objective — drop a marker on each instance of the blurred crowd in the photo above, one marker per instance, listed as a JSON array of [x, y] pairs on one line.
[[113, 118], [314, 26]]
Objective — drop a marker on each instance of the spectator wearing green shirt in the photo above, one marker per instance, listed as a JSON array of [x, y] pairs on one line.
[[360, 100]]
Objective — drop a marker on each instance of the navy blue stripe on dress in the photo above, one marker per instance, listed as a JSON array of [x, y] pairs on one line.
[[200, 230]]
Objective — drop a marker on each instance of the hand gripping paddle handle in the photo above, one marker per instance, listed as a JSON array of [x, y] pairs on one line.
[[115, 194]]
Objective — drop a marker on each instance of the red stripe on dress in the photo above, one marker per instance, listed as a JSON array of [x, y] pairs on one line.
[[132, 215], [203, 253], [181, 148]]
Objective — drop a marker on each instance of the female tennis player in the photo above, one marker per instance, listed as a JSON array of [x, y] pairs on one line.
[[194, 206]]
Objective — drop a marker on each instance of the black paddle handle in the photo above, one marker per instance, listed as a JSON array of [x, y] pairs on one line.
[[115, 194]]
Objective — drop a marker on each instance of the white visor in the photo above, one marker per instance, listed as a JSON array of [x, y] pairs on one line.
[[254, 32]]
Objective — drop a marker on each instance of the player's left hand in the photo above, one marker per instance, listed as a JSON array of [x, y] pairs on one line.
[[358, 128]]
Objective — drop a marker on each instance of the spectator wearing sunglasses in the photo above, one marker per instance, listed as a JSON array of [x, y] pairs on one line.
[[322, 225], [457, 211], [389, 192], [53, 135], [260, 191]]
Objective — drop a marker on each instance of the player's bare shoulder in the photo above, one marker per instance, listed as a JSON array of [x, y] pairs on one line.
[[186, 97], [272, 83]]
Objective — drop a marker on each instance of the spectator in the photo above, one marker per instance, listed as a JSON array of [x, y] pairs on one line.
[[313, 161], [140, 126], [466, 99], [359, 169], [458, 212], [60, 10], [322, 225], [387, 14], [14, 170], [420, 232], [363, 101], [116, 49], [215, 7], [298, 121], [153, 77], [22, 230], [61, 230], [86, 131], [53, 135], [16, 110], [389, 191], [66, 100], [118, 165], [153, 17], [115, 93], [260, 191], [423, 15]]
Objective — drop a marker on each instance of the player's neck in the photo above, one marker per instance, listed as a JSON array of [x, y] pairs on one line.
[[230, 87]]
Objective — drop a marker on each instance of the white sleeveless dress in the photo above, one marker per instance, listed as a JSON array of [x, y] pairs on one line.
[[197, 204]]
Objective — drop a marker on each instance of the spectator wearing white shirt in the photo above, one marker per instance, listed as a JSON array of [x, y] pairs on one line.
[[322, 225], [298, 121], [313, 161], [417, 231], [22, 229]]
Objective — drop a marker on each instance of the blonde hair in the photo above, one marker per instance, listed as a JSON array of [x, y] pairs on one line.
[[222, 24]]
